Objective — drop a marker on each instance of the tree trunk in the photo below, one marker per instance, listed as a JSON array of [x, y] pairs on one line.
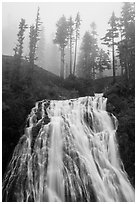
[[74, 69], [126, 62], [113, 61], [62, 64], [70, 56], [126, 68], [122, 69], [93, 73]]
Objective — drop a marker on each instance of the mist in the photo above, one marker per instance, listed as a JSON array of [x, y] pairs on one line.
[[49, 57], [68, 102]]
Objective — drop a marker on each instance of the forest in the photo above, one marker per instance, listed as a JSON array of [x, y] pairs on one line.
[[24, 83]]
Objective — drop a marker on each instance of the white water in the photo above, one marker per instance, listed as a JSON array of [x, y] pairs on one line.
[[68, 153]]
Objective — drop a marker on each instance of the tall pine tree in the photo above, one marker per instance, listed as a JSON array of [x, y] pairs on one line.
[[18, 55], [61, 39], [84, 65], [77, 35], [41, 50], [103, 62], [71, 39], [19, 47], [94, 49], [127, 43], [109, 39], [32, 45], [34, 38]]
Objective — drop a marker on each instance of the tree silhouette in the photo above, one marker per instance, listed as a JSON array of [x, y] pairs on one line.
[[41, 50], [19, 47], [103, 62], [61, 39], [34, 38], [77, 35], [32, 45], [94, 49], [71, 39], [127, 44], [110, 37], [84, 68]]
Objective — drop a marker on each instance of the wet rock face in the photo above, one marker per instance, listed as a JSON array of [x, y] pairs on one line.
[[68, 153], [123, 107]]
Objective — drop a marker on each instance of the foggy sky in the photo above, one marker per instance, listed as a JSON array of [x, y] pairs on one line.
[[12, 12], [100, 12]]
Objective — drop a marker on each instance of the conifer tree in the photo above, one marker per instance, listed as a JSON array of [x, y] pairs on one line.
[[91, 58], [77, 35], [19, 47], [84, 68], [127, 44], [94, 49], [71, 39], [89, 53], [34, 38], [32, 45], [120, 46], [61, 39], [103, 62], [110, 37], [41, 50]]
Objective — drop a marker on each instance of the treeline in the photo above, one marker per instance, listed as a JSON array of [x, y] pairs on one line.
[[68, 32], [120, 37], [92, 60], [33, 40], [124, 28]]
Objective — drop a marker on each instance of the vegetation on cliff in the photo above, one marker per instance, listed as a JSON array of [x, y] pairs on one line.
[[20, 96]]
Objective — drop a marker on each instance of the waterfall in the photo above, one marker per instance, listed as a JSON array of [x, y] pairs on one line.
[[68, 152]]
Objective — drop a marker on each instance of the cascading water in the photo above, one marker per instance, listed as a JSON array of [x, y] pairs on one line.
[[68, 153]]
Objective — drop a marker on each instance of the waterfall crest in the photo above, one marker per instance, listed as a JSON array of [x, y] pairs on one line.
[[68, 152]]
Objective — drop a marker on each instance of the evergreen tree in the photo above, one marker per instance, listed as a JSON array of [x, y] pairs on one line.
[[120, 47], [127, 44], [32, 45], [41, 50], [61, 39], [77, 35], [89, 54], [67, 61], [94, 49], [19, 47], [71, 39], [110, 37], [15, 76], [103, 62], [84, 67], [34, 38]]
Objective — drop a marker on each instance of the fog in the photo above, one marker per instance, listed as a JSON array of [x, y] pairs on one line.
[[99, 12]]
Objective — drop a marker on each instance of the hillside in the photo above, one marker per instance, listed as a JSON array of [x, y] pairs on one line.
[[121, 102], [19, 98]]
